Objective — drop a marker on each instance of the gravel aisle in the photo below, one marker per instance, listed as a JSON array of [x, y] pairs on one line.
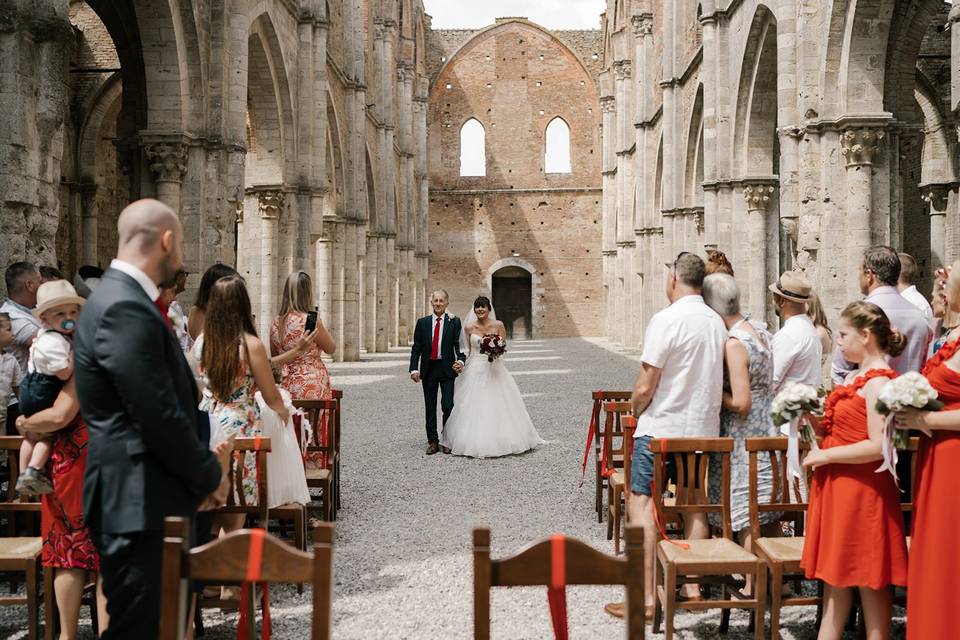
[[403, 563]]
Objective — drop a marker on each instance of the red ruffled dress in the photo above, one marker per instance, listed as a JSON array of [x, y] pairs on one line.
[[932, 610], [854, 523]]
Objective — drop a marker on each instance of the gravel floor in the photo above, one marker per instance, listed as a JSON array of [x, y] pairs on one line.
[[402, 558]]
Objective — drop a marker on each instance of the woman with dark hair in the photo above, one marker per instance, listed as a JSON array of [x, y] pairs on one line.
[[198, 313], [489, 418]]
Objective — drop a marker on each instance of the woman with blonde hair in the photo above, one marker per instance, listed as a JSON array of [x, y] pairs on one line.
[[302, 371], [819, 317]]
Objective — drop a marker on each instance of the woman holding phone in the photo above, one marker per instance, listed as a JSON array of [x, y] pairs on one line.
[[302, 371]]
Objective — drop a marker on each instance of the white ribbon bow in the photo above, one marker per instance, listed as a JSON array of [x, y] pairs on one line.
[[888, 450]]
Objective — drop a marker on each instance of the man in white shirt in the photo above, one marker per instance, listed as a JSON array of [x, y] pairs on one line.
[[22, 280], [797, 350], [677, 395], [907, 286]]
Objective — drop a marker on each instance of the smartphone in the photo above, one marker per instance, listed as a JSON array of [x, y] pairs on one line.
[[311, 321]]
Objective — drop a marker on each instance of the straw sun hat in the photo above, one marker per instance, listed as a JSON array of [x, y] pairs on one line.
[[55, 293], [792, 286]]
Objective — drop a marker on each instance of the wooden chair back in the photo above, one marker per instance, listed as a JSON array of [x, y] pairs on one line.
[[236, 500], [617, 415], [11, 503], [225, 561], [532, 566], [323, 415], [691, 477], [785, 494]]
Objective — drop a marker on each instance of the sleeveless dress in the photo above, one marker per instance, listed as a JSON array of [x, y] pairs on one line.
[[67, 543], [934, 555], [236, 415], [757, 423], [489, 418], [306, 378], [854, 523]]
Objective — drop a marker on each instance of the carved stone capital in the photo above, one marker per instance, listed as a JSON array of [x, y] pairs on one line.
[[937, 196], [608, 104], [168, 160], [861, 145], [758, 196], [642, 24], [88, 195], [791, 229], [270, 203], [622, 69]]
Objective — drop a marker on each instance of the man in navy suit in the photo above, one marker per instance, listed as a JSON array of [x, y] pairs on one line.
[[435, 361]]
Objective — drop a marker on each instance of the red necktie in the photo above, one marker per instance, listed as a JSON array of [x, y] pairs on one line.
[[435, 349], [162, 308]]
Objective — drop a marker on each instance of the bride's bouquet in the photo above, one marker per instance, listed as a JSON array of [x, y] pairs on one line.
[[492, 346], [911, 390], [792, 402]]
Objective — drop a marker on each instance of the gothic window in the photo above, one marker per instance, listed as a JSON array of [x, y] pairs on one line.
[[557, 155], [473, 155]]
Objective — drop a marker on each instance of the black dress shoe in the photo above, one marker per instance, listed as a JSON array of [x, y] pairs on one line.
[[432, 448], [444, 449]]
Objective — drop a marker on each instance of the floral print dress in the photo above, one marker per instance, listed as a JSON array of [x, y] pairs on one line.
[[306, 378], [236, 415]]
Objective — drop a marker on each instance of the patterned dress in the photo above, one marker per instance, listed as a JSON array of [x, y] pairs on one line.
[[757, 423], [236, 415], [66, 540], [306, 378]]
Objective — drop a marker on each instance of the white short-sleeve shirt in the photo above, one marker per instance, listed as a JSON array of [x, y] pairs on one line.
[[50, 353], [685, 341]]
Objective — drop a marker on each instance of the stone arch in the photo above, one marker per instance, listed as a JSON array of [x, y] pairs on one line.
[[269, 97], [556, 147], [755, 127], [373, 213], [473, 148], [693, 178], [103, 102], [335, 180], [536, 287], [908, 28], [937, 165], [866, 30]]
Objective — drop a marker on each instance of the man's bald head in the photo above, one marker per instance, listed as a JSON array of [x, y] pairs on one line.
[[144, 222]]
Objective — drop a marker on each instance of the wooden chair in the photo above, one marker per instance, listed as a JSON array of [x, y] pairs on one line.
[[599, 397], [338, 396], [20, 554], [619, 423], [780, 554], [236, 500], [227, 561], [323, 414], [708, 561], [532, 566]]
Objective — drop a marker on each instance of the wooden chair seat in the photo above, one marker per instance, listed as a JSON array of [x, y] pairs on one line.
[[599, 397], [317, 474], [787, 551], [717, 554], [616, 479], [19, 549]]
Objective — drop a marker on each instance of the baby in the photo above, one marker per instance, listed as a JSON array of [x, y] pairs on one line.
[[49, 367], [9, 368]]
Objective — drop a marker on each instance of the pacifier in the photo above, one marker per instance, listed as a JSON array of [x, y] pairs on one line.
[[68, 325]]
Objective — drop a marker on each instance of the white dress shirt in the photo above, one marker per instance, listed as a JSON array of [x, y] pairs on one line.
[[917, 299], [685, 341], [25, 327], [797, 353], [148, 285]]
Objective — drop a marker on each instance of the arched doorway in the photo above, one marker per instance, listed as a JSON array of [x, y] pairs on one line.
[[512, 289]]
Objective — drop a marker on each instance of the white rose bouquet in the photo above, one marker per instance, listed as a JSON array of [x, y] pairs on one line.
[[792, 402], [911, 390]]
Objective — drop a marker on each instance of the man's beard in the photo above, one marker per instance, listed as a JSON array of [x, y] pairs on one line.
[[168, 274]]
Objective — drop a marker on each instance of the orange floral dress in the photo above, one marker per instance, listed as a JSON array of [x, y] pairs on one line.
[[306, 378], [854, 523], [934, 555]]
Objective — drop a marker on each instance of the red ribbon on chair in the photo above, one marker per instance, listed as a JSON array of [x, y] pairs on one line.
[[245, 627], [591, 434], [656, 516], [557, 591]]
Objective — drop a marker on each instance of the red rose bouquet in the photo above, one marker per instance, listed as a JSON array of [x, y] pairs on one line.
[[492, 346]]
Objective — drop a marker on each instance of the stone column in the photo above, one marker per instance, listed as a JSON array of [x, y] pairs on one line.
[[168, 163], [383, 294], [371, 290], [937, 196], [759, 197], [351, 290], [324, 294], [860, 146], [89, 224], [269, 205]]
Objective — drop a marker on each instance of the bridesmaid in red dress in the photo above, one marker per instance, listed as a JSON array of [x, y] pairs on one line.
[[855, 533], [297, 351], [934, 578]]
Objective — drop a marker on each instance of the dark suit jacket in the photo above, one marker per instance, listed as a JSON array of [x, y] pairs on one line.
[[148, 455], [449, 346]]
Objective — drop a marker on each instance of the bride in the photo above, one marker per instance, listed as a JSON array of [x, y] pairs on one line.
[[489, 418]]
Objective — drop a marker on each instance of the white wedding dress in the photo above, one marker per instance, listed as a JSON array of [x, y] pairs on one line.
[[489, 418]]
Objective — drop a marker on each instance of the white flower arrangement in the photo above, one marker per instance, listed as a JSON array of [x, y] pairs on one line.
[[911, 390], [794, 400]]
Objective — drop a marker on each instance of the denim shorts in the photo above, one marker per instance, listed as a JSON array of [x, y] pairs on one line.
[[641, 469]]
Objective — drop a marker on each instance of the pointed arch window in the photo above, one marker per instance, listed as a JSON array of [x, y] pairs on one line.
[[473, 152], [557, 154]]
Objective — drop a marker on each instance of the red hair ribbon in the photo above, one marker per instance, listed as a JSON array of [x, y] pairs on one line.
[[245, 627], [557, 592], [656, 514], [591, 434]]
